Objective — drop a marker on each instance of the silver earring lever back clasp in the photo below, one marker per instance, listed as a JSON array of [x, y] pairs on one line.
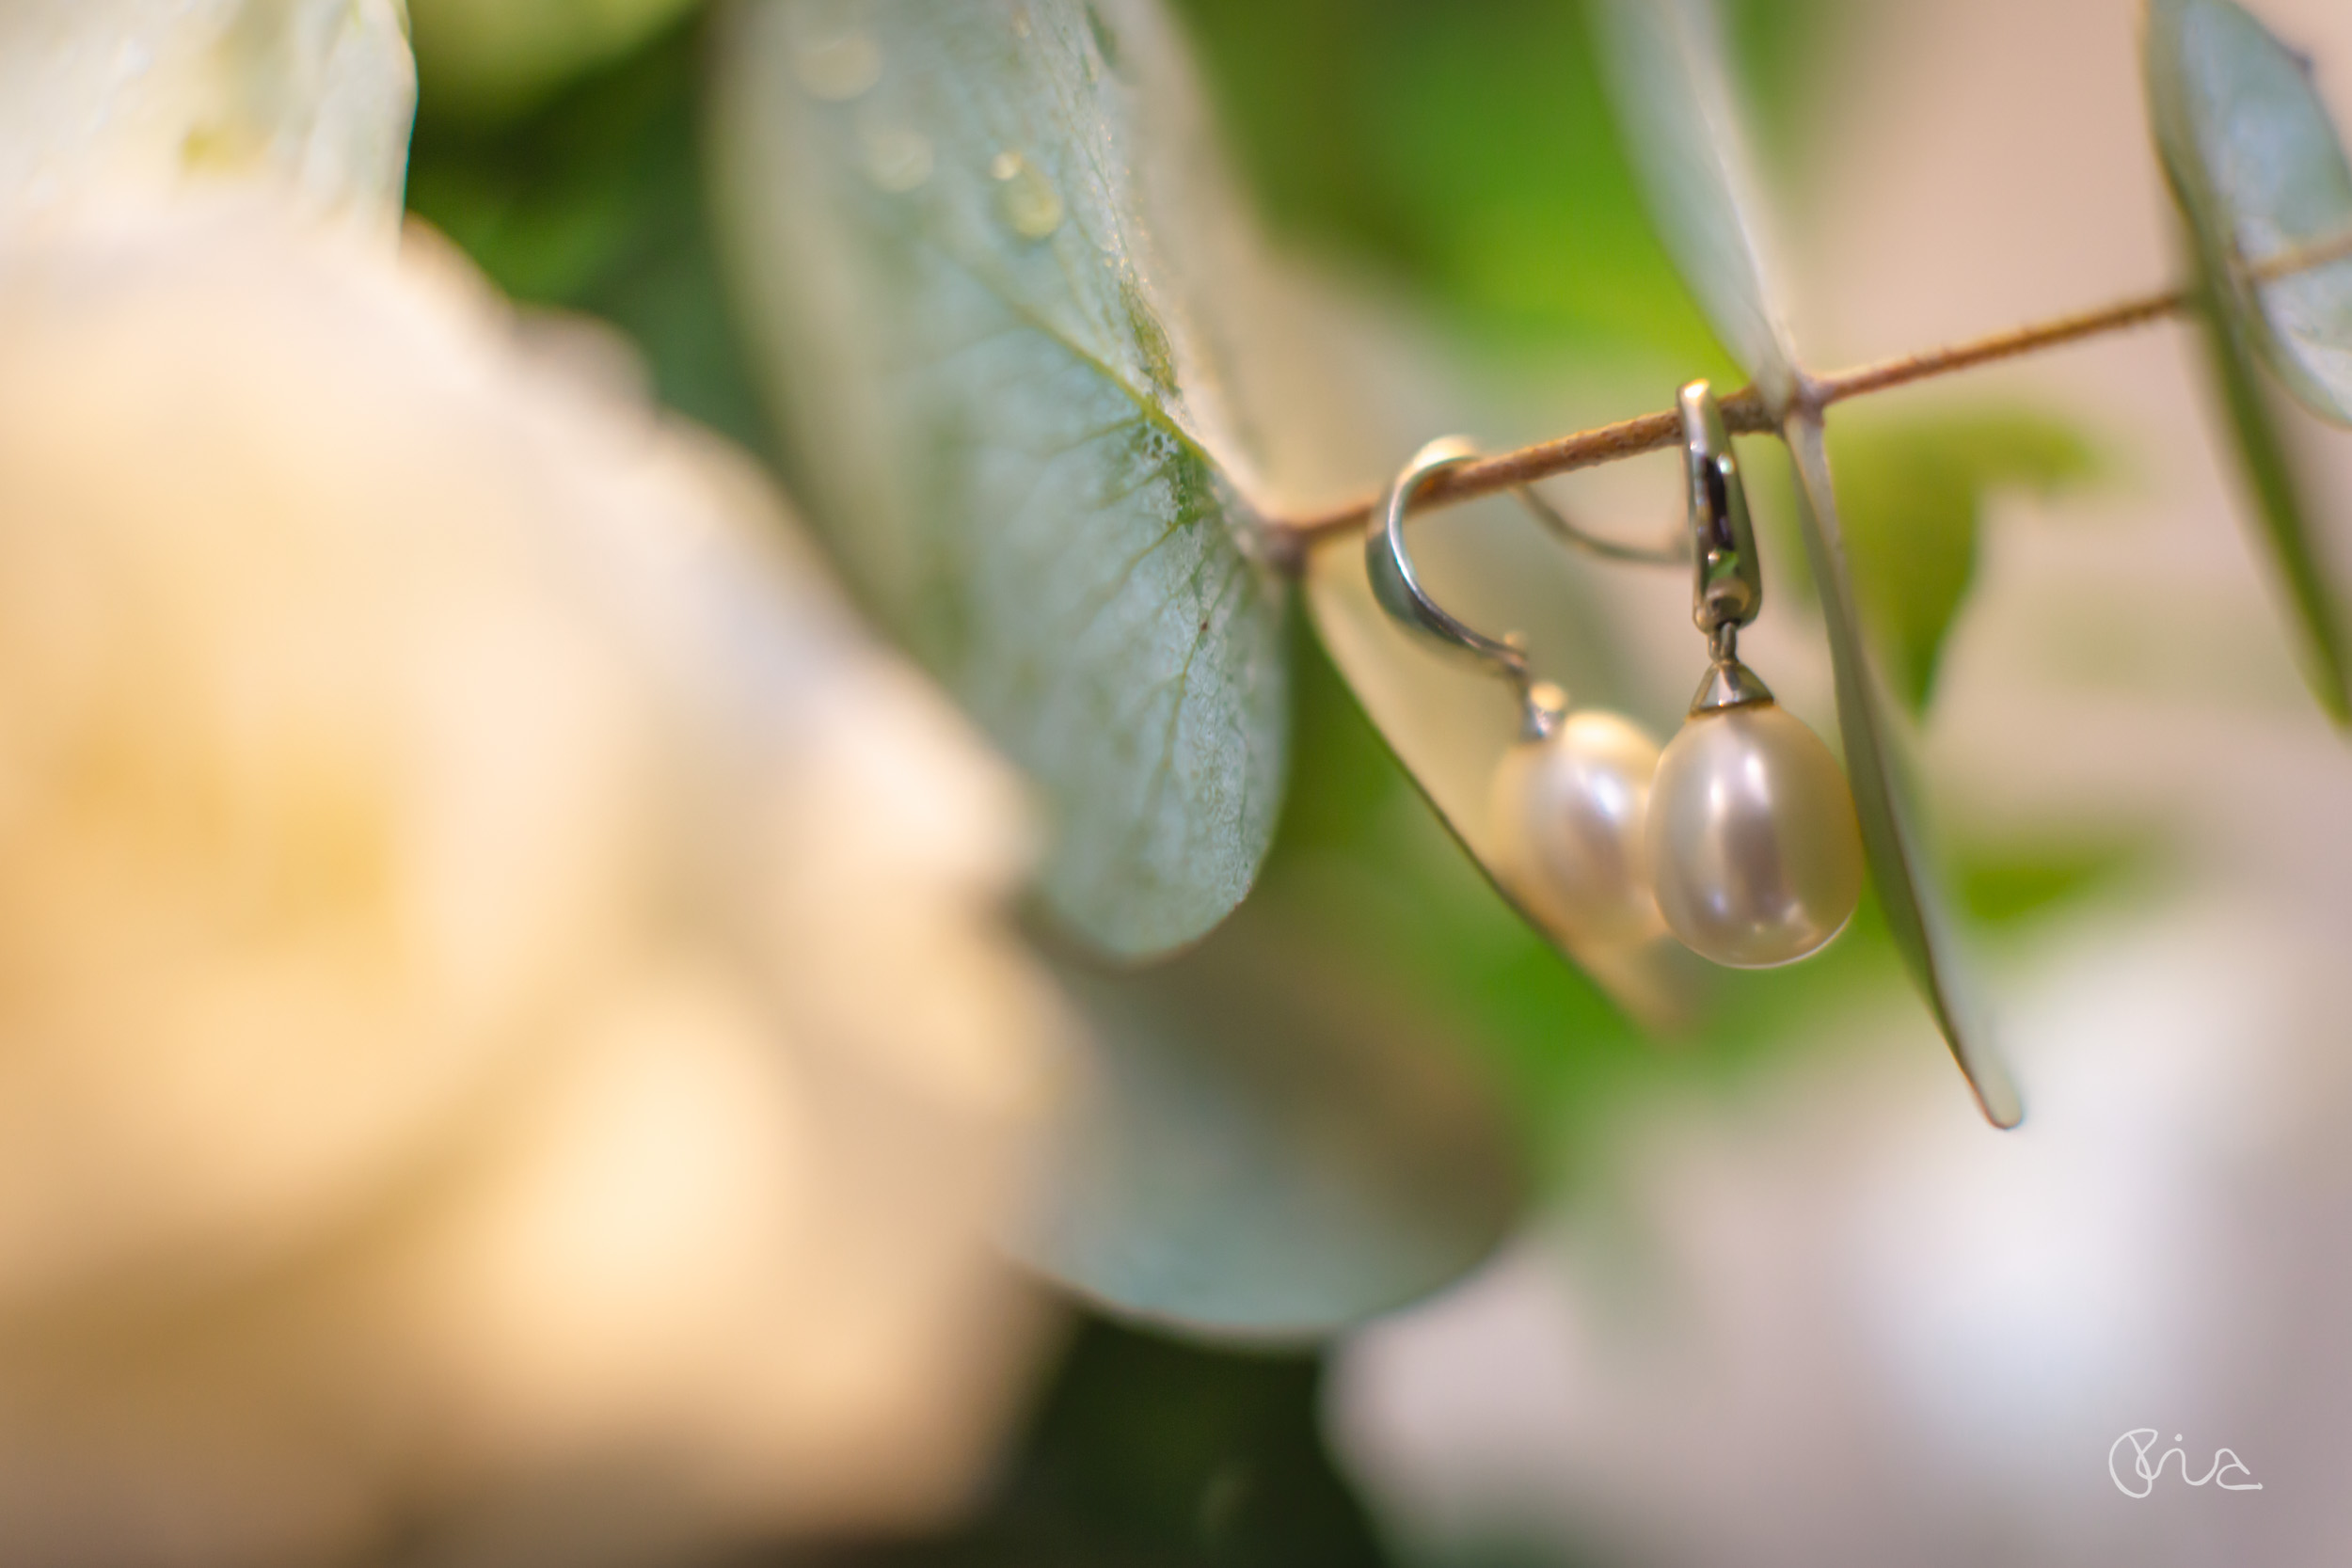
[[1727, 587], [1397, 585]]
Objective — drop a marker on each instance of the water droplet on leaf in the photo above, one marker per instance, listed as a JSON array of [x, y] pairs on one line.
[[837, 67], [1028, 201], [897, 160]]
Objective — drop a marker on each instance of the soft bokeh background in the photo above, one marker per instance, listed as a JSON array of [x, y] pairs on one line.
[[1828, 1320], [1781, 1295]]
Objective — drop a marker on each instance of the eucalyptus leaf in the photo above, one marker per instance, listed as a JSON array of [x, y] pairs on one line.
[[2259, 169], [2281, 497], [1669, 80], [1269, 1146], [1912, 493], [977, 244], [1901, 857]]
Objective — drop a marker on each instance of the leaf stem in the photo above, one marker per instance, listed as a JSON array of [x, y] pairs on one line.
[[2005, 345], [1290, 538], [2301, 257]]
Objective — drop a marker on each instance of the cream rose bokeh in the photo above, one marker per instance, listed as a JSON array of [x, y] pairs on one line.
[[500, 978], [104, 100], [508, 1038]]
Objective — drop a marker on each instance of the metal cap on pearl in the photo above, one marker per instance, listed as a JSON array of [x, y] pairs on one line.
[[1729, 684], [1542, 708]]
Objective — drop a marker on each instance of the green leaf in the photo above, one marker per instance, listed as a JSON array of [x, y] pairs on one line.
[[1668, 79], [2261, 179], [1912, 493], [2261, 173], [2013, 883], [1903, 864], [2289, 525], [1270, 1146], [978, 246], [1292, 1127]]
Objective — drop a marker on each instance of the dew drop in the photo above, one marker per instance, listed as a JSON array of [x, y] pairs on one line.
[[897, 160], [1027, 200], [837, 67]]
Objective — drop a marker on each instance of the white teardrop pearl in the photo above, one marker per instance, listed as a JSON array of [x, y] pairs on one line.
[[1754, 847], [1568, 818]]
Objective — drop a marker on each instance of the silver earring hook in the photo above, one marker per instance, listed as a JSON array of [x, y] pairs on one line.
[[1727, 587], [1398, 588]]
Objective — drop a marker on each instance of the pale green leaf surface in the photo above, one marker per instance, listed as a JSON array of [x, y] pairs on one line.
[[1893, 831], [2283, 502], [2261, 172], [1270, 1148], [1670, 83], [976, 242]]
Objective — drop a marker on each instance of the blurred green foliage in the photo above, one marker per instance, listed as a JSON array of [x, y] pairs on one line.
[[1150, 1454], [596, 203], [1912, 490], [1467, 152], [1463, 153], [2023, 880], [488, 62]]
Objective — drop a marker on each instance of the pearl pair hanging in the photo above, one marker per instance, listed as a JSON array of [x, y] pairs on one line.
[[1741, 837]]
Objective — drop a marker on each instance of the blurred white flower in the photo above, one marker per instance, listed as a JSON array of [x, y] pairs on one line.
[[1840, 1322], [105, 99], [507, 1028], [502, 992]]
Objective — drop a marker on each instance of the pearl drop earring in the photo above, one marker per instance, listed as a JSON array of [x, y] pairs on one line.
[[1752, 841], [1570, 800]]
